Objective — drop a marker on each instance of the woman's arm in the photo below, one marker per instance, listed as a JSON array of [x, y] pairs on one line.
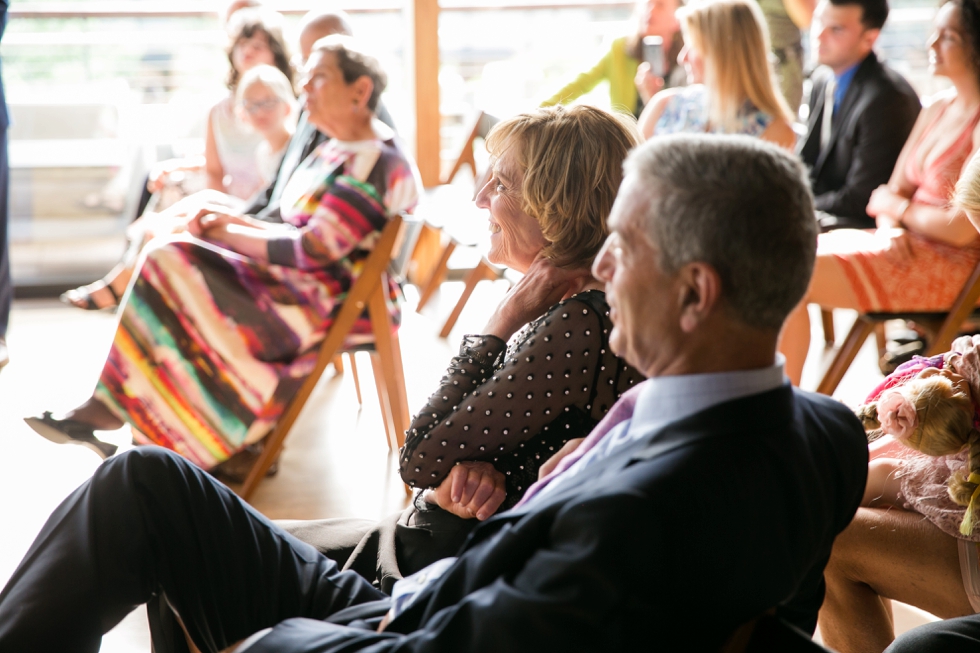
[[583, 83], [781, 133], [647, 122], [212, 162], [348, 211], [482, 410], [883, 488]]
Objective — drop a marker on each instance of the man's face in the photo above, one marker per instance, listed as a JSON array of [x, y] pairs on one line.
[[644, 301], [839, 37]]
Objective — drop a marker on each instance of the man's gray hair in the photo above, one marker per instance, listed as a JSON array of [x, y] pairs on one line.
[[739, 204]]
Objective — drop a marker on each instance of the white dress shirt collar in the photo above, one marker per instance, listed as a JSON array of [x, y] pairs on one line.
[[667, 399]]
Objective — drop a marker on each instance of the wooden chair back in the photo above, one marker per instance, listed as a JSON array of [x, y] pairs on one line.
[[368, 292]]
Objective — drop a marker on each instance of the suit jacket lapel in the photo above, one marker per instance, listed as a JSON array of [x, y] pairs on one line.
[[846, 106]]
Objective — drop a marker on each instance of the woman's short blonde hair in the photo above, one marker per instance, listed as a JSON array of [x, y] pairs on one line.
[[572, 162], [733, 38]]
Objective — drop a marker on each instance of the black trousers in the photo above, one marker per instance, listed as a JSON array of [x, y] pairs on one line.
[[951, 636], [151, 527]]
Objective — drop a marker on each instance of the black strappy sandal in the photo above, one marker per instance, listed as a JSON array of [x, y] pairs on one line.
[[82, 298], [70, 431]]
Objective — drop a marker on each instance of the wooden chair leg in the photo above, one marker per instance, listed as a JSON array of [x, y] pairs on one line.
[[476, 275], [389, 355], [383, 400], [827, 320], [437, 277], [357, 380], [338, 363], [880, 339], [845, 355]]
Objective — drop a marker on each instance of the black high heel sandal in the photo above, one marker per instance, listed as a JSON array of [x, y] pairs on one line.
[[70, 431], [82, 298]]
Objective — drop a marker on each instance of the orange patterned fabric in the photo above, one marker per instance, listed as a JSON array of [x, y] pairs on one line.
[[930, 281]]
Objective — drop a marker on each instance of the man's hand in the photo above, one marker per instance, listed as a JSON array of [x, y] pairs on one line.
[[550, 464], [541, 287], [967, 364], [473, 489]]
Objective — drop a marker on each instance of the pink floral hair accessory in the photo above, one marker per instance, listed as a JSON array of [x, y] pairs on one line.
[[896, 414]]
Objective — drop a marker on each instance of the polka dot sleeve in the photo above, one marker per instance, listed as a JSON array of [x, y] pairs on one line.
[[554, 384]]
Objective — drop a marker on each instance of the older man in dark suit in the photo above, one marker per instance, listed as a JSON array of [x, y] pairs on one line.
[[861, 113], [711, 493]]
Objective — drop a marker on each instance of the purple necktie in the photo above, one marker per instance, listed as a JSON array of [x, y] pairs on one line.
[[621, 411]]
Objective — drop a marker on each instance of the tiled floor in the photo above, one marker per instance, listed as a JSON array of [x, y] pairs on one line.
[[335, 463]]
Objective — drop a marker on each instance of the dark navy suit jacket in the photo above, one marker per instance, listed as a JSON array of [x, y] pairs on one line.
[[667, 545], [869, 130]]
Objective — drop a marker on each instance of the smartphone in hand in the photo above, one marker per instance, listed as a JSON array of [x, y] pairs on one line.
[[653, 54]]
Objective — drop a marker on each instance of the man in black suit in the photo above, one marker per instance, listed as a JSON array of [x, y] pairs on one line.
[[710, 494], [861, 113]]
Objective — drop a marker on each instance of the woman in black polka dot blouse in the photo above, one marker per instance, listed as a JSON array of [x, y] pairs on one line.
[[501, 411]]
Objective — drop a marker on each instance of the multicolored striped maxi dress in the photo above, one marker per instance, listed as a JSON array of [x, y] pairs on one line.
[[212, 344]]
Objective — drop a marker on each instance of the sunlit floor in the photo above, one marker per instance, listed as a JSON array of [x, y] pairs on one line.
[[336, 461]]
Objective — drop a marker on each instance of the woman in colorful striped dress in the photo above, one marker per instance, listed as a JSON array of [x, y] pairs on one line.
[[221, 324]]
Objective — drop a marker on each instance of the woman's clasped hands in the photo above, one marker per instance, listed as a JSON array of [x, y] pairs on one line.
[[887, 207]]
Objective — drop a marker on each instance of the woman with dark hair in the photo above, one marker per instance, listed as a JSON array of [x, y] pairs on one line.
[[222, 324], [230, 162], [923, 249]]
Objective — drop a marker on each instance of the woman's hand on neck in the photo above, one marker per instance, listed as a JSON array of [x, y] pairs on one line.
[[541, 287]]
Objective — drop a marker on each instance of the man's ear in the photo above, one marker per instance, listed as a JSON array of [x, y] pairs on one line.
[[869, 37], [700, 287]]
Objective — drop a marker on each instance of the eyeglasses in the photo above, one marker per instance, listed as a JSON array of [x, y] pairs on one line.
[[261, 105]]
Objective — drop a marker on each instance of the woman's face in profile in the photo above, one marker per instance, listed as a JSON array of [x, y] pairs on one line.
[[949, 53], [693, 62], [515, 237], [329, 99], [250, 51]]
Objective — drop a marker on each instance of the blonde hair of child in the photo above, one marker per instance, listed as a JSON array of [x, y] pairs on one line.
[[944, 425], [271, 78], [966, 197]]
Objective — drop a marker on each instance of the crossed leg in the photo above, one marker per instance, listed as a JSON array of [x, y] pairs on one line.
[[151, 526]]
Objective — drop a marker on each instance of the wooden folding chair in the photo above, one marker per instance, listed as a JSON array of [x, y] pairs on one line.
[[451, 219], [484, 271], [941, 327], [367, 293], [465, 155]]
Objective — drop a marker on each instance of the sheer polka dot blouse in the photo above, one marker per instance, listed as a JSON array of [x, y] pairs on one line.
[[515, 408]]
